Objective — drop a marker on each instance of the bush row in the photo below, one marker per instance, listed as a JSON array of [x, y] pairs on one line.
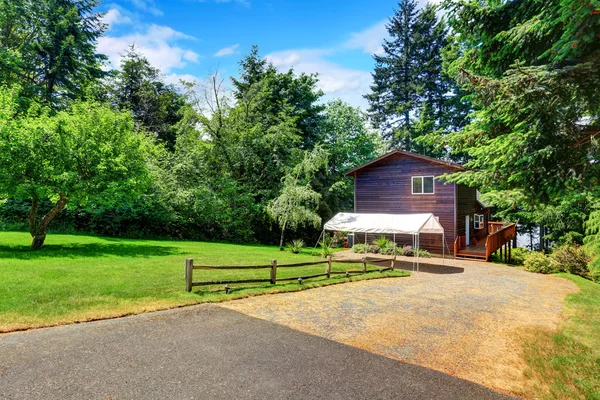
[[571, 258]]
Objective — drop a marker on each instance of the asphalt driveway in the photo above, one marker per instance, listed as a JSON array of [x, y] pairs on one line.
[[467, 318], [207, 352]]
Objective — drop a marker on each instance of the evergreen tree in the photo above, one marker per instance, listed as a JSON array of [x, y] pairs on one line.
[[411, 96], [48, 47], [139, 87], [533, 71]]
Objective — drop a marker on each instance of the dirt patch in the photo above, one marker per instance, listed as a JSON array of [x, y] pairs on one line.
[[462, 319]]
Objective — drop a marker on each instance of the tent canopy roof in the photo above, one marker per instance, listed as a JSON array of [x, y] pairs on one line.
[[408, 224]]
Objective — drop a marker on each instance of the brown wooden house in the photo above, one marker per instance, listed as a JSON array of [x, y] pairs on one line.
[[402, 182]]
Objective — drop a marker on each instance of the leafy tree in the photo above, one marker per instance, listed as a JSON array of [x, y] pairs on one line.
[[48, 47], [533, 70], [139, 87], [349, 142], [410, 95], [297, 202], [88, 153]]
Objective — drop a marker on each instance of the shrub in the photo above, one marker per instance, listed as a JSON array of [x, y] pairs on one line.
[[572, 238], [539, 262], [423, 253], [518, 255], [573, 259], [389, 249], [326, 249], [407, 251], [358, 248], [296, 246], [339, 239], [382, 242], [373, 249]]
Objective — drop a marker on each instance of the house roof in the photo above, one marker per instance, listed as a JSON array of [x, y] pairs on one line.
[[409, 154]]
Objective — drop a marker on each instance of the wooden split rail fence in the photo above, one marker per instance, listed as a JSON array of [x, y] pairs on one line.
[[273, 266]]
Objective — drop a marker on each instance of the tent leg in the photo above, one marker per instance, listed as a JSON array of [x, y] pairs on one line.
[[418, 247], [318, 240], [443, 250]]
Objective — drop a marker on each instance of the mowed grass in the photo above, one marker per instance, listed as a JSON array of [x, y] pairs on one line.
[[80, 278], [565, 364]]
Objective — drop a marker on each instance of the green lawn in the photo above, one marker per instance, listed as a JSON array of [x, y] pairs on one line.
[[79, 278], [565, 364]]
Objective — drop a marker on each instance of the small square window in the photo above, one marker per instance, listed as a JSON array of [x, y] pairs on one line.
[[423, 185]]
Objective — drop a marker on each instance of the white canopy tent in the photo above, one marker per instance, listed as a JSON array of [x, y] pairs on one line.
[[402, 224]]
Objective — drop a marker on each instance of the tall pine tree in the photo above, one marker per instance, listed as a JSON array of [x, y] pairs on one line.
[[411, 96]]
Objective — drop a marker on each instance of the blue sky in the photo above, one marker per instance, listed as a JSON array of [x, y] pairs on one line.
[[192, 39]]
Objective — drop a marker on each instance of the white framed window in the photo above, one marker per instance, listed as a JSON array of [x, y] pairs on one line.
[[478, 221], [423, 185]]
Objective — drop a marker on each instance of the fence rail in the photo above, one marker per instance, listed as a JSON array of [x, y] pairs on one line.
[[273, 266]]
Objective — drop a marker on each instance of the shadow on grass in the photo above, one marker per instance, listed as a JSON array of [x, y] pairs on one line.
[[90, 250]]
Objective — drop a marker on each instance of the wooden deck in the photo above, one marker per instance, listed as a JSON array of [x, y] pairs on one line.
[[499, 239], [474, 251]]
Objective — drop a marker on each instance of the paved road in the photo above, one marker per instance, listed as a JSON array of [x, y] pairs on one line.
[[207, 352]]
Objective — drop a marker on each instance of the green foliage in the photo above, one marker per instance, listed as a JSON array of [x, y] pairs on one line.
[[533, 71], [360, 248], [572, 259], [592, 244], [88, 153], [539, 262], [410, 95], [381, 241], [48, 48], [423, 253], [326, 249], [296, 245], [389, 249], [140, 88], [572, 238], [518, 255]]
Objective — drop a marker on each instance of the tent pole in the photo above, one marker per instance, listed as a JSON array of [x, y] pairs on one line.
[[418, 247], [366, 242], [443, 249], [395, 246], [313, 252]]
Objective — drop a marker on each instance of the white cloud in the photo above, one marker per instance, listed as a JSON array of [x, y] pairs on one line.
[[227, 51], [115, 17], [157, 43], [369, 40], [147, 6], [334, 79]]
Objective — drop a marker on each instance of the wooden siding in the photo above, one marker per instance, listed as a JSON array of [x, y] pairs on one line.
[[466, 200], [386, 187]]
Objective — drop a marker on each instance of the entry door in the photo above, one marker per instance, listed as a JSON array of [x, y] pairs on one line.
[[468, 229]]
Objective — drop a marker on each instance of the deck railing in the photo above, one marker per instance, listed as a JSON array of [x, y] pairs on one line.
[[494, 227], [500, 237]]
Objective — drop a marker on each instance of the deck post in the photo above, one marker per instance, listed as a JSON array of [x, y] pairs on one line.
[[509, 252], [189, 270]]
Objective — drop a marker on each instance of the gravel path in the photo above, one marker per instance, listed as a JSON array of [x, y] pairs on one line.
[[463, 319]]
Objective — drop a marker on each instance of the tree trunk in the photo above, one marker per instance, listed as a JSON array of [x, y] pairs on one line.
[[281, 238], [33, 215], [39, 236]]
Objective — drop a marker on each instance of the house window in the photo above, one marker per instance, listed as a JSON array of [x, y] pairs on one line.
[[478, 221], [422, 185]]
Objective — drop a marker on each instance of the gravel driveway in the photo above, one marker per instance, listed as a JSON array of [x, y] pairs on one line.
[[463, 319]]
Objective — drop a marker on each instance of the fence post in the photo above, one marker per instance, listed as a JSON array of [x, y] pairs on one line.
[[189, 270], [273, 272], [328, 269], [392, 263], [364, 265]]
